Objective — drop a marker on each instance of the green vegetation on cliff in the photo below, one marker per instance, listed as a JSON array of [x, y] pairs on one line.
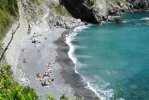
[[61, 10], [11, 90], [8, 12]]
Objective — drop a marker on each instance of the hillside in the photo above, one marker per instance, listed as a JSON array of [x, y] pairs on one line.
[[8, 13]]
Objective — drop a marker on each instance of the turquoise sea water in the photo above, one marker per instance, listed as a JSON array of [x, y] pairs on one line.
[[114, 58]]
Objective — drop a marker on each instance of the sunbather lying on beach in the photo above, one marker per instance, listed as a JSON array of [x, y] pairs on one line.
[[39, 76], [46, 83], [49, 65], [46, 74], [45, 78]]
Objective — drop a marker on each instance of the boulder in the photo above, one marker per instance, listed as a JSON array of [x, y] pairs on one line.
[[118, 20], [140, 4]]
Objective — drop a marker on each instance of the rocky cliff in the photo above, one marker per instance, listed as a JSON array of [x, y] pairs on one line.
[[63, 11], [140, 4], [95, 11]]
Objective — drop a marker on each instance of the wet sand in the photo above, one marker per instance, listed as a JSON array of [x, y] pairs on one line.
[[68, 71]]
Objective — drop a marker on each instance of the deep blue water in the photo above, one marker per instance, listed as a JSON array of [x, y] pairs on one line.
[[114, 58]]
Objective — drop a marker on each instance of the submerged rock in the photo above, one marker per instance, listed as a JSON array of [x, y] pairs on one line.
[[115, 19], [118, 20]]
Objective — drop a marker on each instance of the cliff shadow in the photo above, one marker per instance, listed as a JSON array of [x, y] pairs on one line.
[[78, 10]]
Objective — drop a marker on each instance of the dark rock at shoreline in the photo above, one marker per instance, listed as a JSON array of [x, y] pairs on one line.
[[112, 12], [116, 20], [140, 4]]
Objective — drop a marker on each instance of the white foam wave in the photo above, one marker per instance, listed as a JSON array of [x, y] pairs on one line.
[[79, 47], [103, 92], [95, 91], [145, 18], [69, 39], [83, 56]]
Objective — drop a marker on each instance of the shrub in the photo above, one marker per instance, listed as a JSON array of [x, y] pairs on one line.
[[11, 90]]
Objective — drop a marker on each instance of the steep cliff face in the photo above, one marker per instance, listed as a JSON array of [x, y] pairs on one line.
[[84, 9], [96, 10], [93, 11]]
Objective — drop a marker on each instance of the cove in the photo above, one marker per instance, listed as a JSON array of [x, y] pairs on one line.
[[114, 58]]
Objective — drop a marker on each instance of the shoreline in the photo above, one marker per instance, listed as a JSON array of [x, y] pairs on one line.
[[68, 65], [80, 87]]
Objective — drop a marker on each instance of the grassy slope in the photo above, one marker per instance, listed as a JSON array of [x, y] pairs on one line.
[[11, 90], [8, 12], [61, 10]]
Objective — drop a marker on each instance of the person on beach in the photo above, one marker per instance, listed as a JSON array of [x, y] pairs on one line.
[[36, 45], [36, 41], [24, 61], [49, 66], [39, 76], [46, 74], [46, 83], [23, 50]]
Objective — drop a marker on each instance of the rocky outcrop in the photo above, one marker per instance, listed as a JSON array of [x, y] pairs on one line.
[[95, 11], [140, 4], [83, 9]]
